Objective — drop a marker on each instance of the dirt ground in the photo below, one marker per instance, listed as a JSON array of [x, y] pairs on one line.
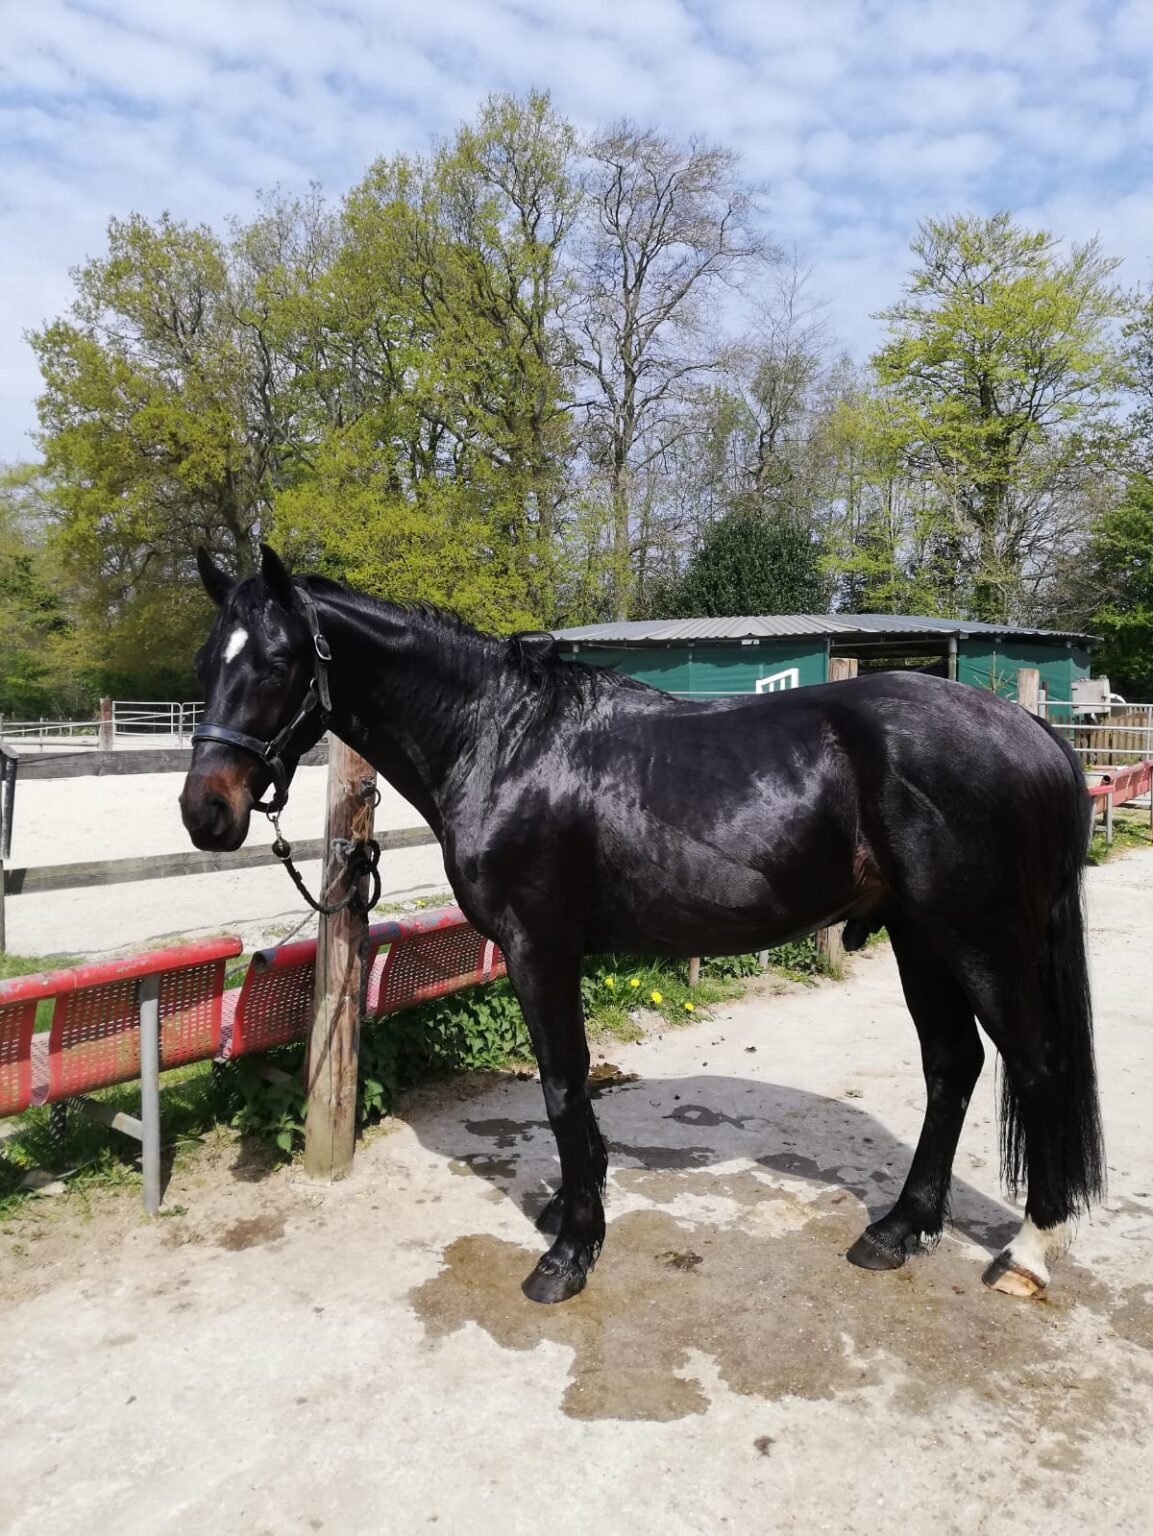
[[66, 821], [273, 1356]]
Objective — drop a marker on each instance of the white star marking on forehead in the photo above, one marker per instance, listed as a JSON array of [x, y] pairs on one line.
[[236, 643]]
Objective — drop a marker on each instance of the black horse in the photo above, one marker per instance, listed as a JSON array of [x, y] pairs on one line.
[[580, 811]]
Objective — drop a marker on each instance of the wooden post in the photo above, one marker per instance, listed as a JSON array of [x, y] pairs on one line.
[[1029, 689], [831, 949], [330, 1126], [841, 668], [694, 970], [106, 738]]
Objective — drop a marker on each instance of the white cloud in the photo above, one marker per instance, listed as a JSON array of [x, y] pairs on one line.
[[865, 117]]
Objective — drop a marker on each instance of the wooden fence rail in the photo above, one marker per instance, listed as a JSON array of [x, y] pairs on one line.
[[27, 881]]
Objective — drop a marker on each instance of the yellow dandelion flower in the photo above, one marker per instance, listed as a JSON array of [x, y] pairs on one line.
[[610, 981], [657, 997], [688, 1007], [634, 981]]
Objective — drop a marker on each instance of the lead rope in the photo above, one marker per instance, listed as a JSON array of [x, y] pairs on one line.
[[363, 857], [362, 862]]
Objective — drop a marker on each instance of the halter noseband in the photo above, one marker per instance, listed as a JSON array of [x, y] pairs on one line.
[[271, 753]]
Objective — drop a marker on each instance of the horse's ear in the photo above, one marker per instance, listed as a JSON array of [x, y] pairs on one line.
[[276, 577], [217, 583]]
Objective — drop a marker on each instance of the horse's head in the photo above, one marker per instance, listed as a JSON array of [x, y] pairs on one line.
[[263, 671]]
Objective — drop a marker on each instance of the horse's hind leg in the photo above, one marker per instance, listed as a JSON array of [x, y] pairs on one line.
[[547, 984], [952, 1057], [1033, 1000], [1050, 1137]]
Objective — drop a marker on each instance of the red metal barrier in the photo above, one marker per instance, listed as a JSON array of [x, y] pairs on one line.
[[1122, 784], [94, 1040], [425, 955]]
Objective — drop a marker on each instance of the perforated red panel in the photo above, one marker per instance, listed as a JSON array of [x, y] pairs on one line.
[[95, 1038], [17, 1021], [427, 966], [190, 1014], [275, 1006]]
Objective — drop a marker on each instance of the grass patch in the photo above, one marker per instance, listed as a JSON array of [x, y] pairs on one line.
[[1130, 830], [193, 1101], [469, 1031]]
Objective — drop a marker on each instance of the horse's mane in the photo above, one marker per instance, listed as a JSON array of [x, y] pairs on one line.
[[534, 655]]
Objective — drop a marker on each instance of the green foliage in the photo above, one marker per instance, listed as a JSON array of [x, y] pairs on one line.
[[477, 1030], [1130, 831], [749, 563], [35, 627], [493, 376], [1000, 377], [1118, 563]]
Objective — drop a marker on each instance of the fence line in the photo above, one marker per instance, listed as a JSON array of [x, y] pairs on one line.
[[30, 879], [1108, 736], [131, 720]]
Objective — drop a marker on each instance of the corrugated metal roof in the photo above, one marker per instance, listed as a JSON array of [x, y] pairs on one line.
[[776, 626]]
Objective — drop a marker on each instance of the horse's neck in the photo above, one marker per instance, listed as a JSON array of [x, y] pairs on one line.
[[410, 696]]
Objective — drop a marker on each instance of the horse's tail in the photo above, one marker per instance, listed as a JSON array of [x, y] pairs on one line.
[[1066, 1134]]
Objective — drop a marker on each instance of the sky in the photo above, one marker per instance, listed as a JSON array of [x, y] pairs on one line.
[[862, 116]]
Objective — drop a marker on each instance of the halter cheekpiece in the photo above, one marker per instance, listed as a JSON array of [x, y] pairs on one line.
[[363, 857], [318, 699]]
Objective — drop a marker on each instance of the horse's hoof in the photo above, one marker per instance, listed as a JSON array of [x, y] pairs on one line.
[[549, 1220], [1012, 1279], [548, 1285], [868, 1253]]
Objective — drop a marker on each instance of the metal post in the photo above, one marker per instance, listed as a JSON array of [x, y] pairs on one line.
[[1108, 821], [106, 737], [148, 997], [9, 763], [952, 658]]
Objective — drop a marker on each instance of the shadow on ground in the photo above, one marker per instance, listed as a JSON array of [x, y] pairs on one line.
[[731, 1205]]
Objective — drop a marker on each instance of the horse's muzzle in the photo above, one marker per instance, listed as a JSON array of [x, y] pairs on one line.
[[216, 808]]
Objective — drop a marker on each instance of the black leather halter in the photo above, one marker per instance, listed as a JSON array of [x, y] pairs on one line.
[[318, 700]]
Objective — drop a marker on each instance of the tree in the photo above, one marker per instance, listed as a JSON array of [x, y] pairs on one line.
[[750, 564], [670, 228], [1003, 373], [35, 629], [439, 465], [167, 422], [1109, 592]]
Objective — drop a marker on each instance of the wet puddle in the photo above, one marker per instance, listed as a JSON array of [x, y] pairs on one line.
[[783, 1314]]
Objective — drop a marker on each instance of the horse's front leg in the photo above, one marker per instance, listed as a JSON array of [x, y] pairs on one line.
[[547, 983]]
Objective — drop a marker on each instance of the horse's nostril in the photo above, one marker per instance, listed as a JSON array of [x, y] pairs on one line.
[[218, 814]]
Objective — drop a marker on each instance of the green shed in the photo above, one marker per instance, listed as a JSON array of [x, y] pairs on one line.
[[714, 658]]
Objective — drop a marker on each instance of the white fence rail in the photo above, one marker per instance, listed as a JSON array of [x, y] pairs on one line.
[[49, 733], [1106, 736], [132, 722], [134, 717]]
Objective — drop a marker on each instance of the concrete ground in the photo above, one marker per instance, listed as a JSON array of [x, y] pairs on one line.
[[66, 821], [273, 1356]]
